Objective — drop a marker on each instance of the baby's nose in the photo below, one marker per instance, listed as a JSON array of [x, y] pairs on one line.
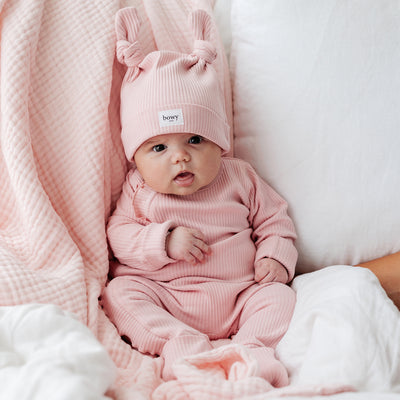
[[180, 155]]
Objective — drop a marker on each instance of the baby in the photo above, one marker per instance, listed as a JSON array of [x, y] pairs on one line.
[[205, 247]]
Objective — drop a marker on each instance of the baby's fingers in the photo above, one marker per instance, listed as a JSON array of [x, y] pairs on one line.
[[202, 246], [199, 251], [269, 277]]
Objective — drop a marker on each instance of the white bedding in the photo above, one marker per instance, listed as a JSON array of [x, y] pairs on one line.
[[345, 333], [46, 353], [345, 330]]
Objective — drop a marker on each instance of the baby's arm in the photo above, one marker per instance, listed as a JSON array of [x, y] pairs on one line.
[[142, 244], [137, 245], [270, 270], [134, 240], [186, 244], [273, 233]]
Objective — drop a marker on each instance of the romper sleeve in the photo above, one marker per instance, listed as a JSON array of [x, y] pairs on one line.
[[134, 240], [273, 230]]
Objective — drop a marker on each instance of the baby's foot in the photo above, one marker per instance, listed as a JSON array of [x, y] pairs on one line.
[[179, 347], [269, 368]]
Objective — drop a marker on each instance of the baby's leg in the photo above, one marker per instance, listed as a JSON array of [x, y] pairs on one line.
[[264, 320], [137, 312]]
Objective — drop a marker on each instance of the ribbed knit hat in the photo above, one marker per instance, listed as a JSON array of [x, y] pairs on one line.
[[169, 92]]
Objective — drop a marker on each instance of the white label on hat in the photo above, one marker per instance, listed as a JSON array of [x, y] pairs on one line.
[[170, 117]]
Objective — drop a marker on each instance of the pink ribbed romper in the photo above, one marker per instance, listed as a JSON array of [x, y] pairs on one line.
[[172, 308]]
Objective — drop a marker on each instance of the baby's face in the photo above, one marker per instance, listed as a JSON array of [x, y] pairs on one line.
[[178, 163]]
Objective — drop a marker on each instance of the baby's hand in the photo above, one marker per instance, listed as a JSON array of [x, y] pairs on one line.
[[186, 244], [270, 270]]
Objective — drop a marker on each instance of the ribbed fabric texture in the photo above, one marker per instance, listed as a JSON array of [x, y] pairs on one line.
[[236, 211], [154, 299], [169, 92]]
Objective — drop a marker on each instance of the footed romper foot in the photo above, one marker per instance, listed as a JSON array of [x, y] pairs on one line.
[[269, 368], [179, 347]]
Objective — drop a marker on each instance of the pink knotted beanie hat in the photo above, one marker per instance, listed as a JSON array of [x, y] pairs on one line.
[[169, 92]]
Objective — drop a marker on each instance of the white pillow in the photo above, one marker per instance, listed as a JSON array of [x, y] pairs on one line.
[[316, 88], [222, 15]]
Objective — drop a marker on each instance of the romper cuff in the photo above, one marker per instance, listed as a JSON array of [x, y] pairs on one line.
[[281, 250], [154, 250]]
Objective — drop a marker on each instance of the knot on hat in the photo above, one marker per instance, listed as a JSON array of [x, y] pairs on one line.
[[128, 53], [204, 50]]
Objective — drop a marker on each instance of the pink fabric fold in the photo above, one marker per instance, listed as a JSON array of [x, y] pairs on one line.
[[62, 163], [229, 372]]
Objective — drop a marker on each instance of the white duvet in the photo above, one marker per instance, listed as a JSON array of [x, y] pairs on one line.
[[47, 354], [345, 332]]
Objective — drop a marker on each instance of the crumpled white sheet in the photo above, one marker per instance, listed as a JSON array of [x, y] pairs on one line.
[[345, 330], [46, 353], [344, 336]]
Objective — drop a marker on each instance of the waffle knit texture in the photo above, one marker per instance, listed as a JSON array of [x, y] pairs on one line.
[[168, 91]]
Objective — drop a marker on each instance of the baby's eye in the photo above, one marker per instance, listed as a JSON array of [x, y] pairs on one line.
[[158, 148], [195, 139]]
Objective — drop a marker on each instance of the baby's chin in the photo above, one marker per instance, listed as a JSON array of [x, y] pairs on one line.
[[185, 190], [183, 184]]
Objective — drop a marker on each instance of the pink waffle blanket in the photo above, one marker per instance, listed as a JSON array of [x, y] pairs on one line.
[[61, 160]]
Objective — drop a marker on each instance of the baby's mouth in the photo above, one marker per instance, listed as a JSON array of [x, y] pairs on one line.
[[184, 179]]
